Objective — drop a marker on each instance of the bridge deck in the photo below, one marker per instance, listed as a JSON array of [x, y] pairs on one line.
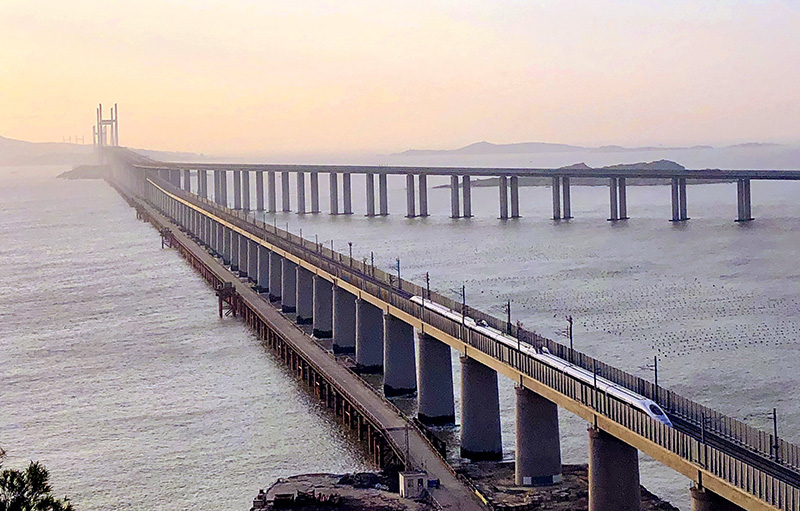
[[453, 493]]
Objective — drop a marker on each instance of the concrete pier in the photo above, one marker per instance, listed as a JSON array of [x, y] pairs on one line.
[[705, 500], [423, 195], [243, 256], [263, 270], [259, 191], [679, 207], [275, 271], [286, 205], [556, 188], [744, 211], [503, 197], [334, 189], [220, 249], [315, 192], [613, 474], [237, 189], [323, 308], [217, 186], [288, 286], [234, 251], [347, 195], [399, 364], [435, 395], [370, 184], [202, 183], [410, 199], [246, 190], [187, 180], [369, 337], [566, 197], [271, 193], [466, 193], [252, 260], [223, 180], [226, 246], [301, 192], [344, 321], [622, 190], [612, 188], [514, 196], [305, 296], [538, 451], [455, 208], [480, 412], [383, 195]]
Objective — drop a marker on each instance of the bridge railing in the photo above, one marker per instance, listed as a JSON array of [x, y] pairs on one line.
[[389, 289]]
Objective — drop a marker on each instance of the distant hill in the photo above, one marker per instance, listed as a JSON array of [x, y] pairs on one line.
[[489, 148], [19, 152], [22, 153]]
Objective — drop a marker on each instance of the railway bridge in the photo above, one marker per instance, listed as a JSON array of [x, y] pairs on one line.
[[382, 320]]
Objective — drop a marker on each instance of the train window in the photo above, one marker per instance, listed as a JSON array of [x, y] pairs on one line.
[[656, 410]]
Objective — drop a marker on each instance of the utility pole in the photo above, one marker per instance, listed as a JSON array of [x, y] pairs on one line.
[[399, 282], [775, 429], [508, 318], [463, 304], [569, 331], [350, 244]]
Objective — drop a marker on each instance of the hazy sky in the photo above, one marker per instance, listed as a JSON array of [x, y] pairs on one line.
[[274, 76]]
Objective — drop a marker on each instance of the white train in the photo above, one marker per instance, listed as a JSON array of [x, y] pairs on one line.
[[647, 406]]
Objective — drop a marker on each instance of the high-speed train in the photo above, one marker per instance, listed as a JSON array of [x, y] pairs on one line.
[[647, 406]]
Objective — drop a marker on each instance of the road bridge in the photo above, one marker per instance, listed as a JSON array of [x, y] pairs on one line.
[[732, 465]]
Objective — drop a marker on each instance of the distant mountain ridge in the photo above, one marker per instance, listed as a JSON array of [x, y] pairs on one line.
[[484, 147]]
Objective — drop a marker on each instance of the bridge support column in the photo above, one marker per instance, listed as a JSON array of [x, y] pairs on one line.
[[423, 195], [613, 474], [538, 453], [567, 198], [305, 296], [383, 195], [237, 189], [246, 190], [263, 269], [344, 321], [623, 198], [435, 395], [369, 337], [226, 246], [243, 256], [410, 200], [514, 196], [217, 186], [286, 205], [187, 180], [503, 197], [334, 187], [455, 208], [480, 412], [259, 190], [323, 308], [252, 260], [679, 208], [743, 200], [466, 192], [202, 183], [271, 198], [556, 186], [315, 192], [399, 364], [301, 193], [175, 178], [288, 286], [223, 179], [275, 270], [682, 194], [612, 188], [370, 184], [234, 252], [347, 194], [705, 500]]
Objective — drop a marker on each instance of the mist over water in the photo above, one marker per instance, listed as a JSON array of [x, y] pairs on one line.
[[118, 375]]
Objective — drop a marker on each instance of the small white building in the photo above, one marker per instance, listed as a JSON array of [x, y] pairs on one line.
[[412, 484]]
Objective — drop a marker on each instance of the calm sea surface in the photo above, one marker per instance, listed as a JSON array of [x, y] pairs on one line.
[[116, 372]]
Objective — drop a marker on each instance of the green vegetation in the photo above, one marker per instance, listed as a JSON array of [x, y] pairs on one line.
[[28, 490]]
